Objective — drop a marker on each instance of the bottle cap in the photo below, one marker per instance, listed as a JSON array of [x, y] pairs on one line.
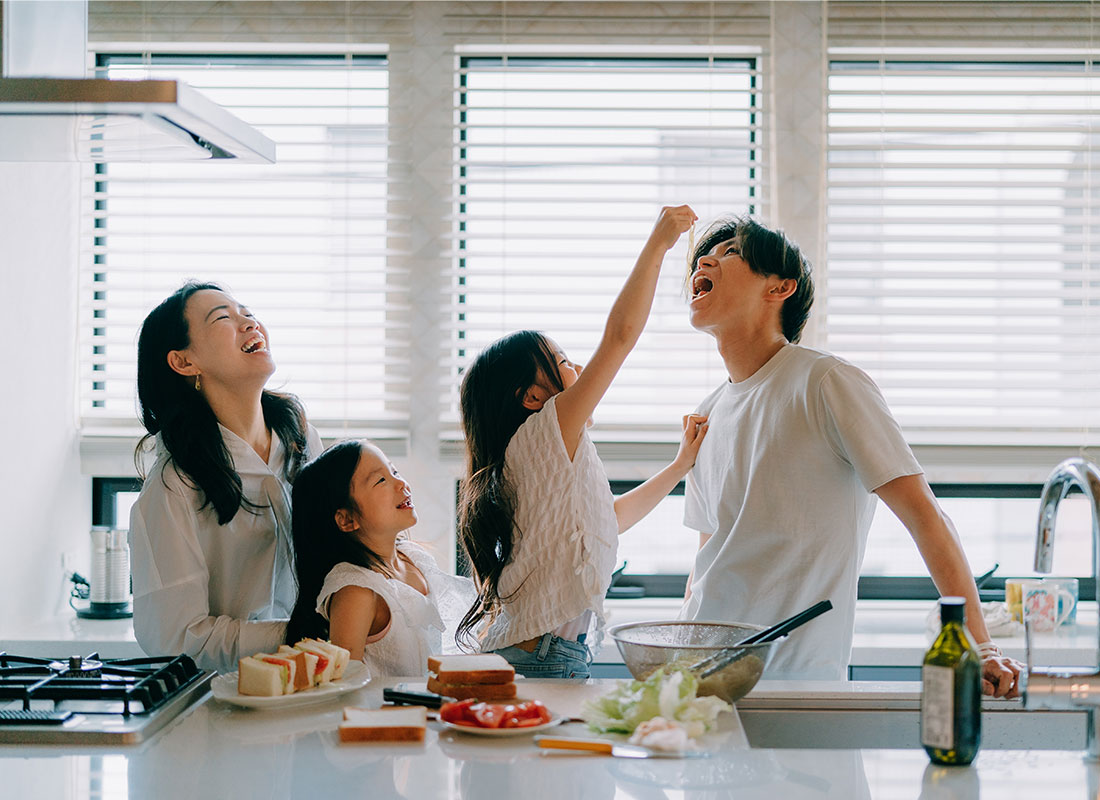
[[952, 609]]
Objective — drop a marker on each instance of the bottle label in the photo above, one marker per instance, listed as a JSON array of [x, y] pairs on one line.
[[937, 707]]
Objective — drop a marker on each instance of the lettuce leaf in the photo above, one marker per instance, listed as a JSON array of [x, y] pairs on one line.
[[668, 694]]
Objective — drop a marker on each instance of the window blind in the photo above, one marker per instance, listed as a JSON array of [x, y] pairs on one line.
[[302, 242], [962, 240], [562, 167]]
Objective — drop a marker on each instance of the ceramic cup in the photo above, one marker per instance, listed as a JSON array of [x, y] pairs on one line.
[[1046, 604], [1014, 597], [1067, 599]]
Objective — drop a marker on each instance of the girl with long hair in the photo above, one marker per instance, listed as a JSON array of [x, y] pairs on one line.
[[537, 520], [210, 531], [362, 583]]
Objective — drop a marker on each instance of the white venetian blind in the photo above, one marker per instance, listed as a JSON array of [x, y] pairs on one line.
[[302, 242], [962, 226], [563, 165]]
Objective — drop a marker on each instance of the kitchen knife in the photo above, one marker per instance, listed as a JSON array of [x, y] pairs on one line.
[[605, 747], [409, 697]]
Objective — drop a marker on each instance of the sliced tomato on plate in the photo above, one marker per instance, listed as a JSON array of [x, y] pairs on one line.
[[488, 715], [471, 713]]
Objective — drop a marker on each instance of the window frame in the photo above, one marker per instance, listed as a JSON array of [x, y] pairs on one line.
[[870, 587]]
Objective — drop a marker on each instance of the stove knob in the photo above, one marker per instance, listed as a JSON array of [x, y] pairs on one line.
[[75, 662]]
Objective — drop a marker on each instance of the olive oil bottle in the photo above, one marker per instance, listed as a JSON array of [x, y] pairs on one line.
[[951, 690]]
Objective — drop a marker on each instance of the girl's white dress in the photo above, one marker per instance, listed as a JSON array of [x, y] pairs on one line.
[[420, 625]]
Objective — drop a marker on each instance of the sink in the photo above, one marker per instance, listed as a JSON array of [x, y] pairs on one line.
[[1013, 729]]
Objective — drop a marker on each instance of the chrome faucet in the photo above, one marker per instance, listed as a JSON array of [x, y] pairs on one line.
[[1066, 687]]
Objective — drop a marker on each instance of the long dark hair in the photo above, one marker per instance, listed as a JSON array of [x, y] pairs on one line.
[[492, 411], [767, 252], [169, 405], [323, 487]]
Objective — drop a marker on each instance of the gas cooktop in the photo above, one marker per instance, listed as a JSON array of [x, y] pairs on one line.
[[88, 700]]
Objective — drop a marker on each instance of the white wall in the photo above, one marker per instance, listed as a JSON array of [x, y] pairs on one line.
[[44, 499]]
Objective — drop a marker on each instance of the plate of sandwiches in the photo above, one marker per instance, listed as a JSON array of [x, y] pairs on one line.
[[311, 671]]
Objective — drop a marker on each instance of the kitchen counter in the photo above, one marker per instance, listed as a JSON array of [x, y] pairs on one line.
[[220, 751]]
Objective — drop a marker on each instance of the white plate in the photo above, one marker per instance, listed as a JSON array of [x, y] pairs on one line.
[[356, 675], [556, 719]]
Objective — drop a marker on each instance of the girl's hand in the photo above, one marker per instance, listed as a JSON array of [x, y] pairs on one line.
[[695, 428], [671, 223]]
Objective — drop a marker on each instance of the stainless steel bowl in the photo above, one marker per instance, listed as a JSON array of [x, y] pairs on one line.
[[647, 646]]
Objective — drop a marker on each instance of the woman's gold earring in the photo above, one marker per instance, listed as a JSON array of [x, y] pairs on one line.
[[198, 382]]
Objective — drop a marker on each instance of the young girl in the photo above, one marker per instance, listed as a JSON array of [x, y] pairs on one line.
[[361, 583], [536, 516], [210, 532]]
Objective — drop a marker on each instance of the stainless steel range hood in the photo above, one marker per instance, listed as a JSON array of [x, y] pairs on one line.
[[50, 112]]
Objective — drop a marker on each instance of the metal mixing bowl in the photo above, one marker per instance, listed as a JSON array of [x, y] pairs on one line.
[[646, 646]]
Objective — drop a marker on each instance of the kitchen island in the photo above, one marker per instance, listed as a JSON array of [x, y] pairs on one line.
[[216, 750]]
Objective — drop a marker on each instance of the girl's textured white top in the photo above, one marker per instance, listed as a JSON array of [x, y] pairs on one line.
[[566, 533], [417, 622]]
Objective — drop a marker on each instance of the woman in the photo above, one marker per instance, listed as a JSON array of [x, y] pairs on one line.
[[210, 532]]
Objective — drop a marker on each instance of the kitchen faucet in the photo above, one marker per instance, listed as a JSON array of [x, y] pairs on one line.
[[1066, 687]]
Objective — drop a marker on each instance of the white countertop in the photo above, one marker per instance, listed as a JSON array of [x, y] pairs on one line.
[[220, 751]]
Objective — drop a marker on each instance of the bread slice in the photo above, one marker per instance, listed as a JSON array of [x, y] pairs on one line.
[[325, 668], [280, 660], [310, 671], [397, 724], [339, 656], [302, 674], [261, 679], [479, 668], [477, 691]]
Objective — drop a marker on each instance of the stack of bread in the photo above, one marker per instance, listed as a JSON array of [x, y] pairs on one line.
[[483, 676], [309, 663]]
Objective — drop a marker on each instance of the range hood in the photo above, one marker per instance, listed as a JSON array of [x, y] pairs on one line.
[[49, 112]]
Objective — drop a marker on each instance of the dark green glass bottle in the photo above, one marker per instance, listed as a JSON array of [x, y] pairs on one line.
[[951, 690]]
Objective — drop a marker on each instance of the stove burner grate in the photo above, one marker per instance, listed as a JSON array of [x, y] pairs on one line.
[[140, 685]]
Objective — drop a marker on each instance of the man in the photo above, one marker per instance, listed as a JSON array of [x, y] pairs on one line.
[[800, 443]]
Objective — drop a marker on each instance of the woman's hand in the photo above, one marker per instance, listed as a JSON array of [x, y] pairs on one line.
[[1001, 676], [671, 223], [695, 428]]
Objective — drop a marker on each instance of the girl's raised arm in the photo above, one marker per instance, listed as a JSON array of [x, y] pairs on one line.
[[624, 325]]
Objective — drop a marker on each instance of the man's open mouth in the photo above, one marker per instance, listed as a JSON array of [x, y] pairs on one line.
[[700, 285]]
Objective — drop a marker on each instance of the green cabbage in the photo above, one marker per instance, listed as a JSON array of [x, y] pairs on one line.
[[670, 695]]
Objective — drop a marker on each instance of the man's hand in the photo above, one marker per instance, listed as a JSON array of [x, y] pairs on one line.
[[1001, 676]]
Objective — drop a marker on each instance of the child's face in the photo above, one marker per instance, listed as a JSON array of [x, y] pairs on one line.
[[568, 371], [383, 498]]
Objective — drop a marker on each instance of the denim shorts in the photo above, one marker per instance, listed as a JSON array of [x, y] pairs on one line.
[[553, 657]]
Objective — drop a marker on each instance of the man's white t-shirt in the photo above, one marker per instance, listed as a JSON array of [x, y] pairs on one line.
[[783, 483]]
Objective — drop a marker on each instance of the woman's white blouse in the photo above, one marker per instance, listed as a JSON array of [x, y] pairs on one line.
[[420, 625], [214, 592], [566, 534]]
